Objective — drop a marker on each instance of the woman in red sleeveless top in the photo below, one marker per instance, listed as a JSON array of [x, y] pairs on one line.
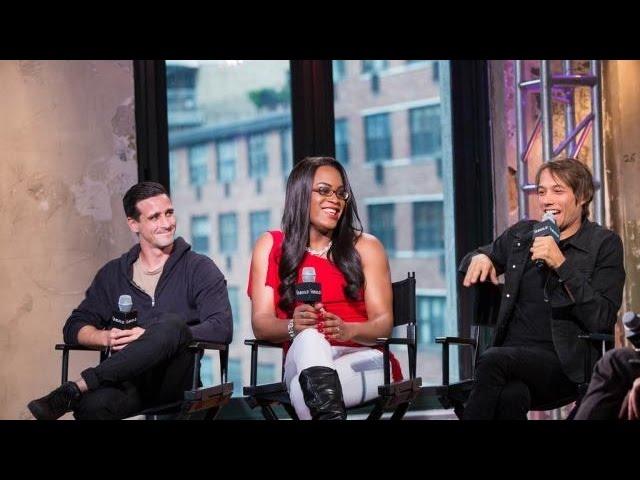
[[331, 360]]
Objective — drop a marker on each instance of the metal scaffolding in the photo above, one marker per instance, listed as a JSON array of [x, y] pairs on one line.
[[559, 88]]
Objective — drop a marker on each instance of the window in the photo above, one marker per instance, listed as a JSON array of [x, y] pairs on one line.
[[241, 111], [234, 375], [425, 130], [339, 70], [207, 375], [258, 158], [198, 168], [228, 227], [173, 170], [182, 108], [226, 160], [370, 66], [259, 223], [378, 137], [239, 102], [342, 141], [430, 318], [428, 227], [382, 226], [200, 230], [404, 119], [266, 373], [286, 157], [235, 307]]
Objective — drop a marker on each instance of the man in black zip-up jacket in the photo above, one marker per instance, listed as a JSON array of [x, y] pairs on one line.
[[190, 284], [536, 358], [179, 296]]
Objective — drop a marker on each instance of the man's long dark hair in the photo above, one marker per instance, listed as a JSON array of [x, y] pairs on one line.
[[295, 226]]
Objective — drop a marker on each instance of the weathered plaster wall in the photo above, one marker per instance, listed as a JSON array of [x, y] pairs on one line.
[[621, 96], [67, 155]]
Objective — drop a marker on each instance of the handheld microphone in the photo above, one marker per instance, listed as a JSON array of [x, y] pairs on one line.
[[309, 291], [125, 304], [125, 318], [631, 323], [547, 226]]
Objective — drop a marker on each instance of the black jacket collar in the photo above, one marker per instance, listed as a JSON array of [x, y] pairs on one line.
[[180, 247], [582, 238]]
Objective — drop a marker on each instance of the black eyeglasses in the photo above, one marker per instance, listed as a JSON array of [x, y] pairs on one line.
[[326, 191]]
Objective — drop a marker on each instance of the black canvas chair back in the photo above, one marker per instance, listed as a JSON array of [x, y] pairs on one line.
[[404, 313], [197, 403], [486, 304], [486, 299], [394, 396]]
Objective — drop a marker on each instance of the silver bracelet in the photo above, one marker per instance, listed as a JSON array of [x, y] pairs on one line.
[[292, 332]]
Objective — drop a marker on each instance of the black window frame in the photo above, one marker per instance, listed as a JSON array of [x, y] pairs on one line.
[[312, 126]]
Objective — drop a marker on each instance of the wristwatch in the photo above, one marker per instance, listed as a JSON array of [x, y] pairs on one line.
[[292, 332]]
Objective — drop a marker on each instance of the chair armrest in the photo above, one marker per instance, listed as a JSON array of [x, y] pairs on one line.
[[68, 346], [446, 341], [197, 347], [385, 343], [456, 340], [603, 338], [262, 343], [208, 345], [255, 343], [395, 341]]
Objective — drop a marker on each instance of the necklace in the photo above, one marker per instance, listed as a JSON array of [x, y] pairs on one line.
[[146, 271], [319, 253], [154, 272]]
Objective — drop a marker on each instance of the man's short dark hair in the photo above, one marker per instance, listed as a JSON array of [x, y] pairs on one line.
[[576, 175], [140, 191]]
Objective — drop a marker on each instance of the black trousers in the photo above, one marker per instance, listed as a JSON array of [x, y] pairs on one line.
[[154, 369], [612, 379], [510, 381]]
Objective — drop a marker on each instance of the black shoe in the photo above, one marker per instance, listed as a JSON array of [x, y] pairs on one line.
[[57, 403], [323, 393]]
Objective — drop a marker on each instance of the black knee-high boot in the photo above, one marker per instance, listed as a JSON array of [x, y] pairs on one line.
[[323, 393]]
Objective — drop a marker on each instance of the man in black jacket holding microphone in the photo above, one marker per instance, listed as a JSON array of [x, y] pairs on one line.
[[554, 289], [178, 296]]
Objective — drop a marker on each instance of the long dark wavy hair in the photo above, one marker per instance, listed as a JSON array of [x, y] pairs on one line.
[[296, 224]]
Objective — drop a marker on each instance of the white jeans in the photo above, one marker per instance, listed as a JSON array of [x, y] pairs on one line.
[[360, 369]]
